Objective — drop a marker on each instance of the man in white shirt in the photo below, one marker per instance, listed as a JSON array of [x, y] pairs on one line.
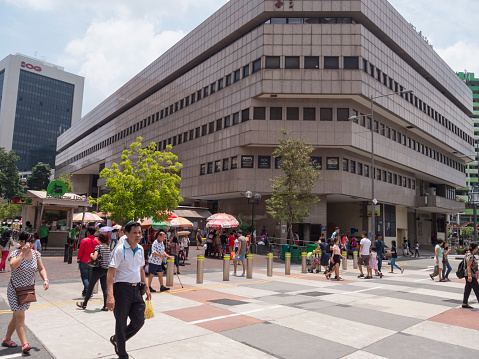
[[364, 247], [121, 235], [125, 275]]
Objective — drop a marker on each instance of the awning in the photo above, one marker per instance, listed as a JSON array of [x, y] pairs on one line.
[[194, 214]]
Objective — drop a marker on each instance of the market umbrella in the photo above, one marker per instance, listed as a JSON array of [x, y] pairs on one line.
[[106, 229], [158, 225], [89, 217], [184, 233], [180, 222], [145, 223], [223, 216], [222, 223], [116, 226]]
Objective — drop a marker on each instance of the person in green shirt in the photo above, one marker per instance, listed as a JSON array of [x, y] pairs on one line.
[[28, 227], [73, 234], [43, 232]]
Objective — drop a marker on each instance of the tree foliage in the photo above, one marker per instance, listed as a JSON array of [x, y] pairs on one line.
[[67, 179], [40, 177], [9, 211], [144, 185], [9, 179], [292, 195]]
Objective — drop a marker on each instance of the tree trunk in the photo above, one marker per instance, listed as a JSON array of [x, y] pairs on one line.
[[290, 232]]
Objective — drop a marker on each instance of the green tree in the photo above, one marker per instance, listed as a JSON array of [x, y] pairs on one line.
[[9, 211], [40, 177], [67, 179], [144, 185], [292, 195], [9, 179]]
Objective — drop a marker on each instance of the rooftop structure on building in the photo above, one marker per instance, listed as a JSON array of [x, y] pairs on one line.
[[221, 95], [38, 102]]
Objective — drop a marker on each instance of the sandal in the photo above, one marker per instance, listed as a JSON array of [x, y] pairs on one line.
[[8, 343], [432, 277], [80, 305], [104, 309], [368, 277], [26, 348], [112, 341], [361, 276]]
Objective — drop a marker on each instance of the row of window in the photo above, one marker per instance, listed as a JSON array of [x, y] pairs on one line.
[[414, 100], [311, 20], [28, 77], [47, 95], [311, 62], [407, 141]]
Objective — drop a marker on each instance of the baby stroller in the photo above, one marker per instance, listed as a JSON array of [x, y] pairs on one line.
[[313, 261]]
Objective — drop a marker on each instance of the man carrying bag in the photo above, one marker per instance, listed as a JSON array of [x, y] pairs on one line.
[[125, 281]]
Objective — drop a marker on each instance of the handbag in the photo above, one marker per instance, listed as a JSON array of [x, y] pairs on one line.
[[97, 262], [25, 294], [436, 271]]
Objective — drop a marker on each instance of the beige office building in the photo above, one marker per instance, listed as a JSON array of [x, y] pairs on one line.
[[221, 95]]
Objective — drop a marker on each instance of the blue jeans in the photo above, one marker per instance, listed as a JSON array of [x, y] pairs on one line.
[[85, 274], [380, 261], [447, 267], [393, 264]]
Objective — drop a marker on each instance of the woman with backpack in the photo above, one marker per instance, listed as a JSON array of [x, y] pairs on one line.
[[471, 274]]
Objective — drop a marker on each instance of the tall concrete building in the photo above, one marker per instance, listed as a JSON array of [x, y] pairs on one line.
[[38, 102], [221, 95]]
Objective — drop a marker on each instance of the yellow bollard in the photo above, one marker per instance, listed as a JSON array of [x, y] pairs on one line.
[[287, 263], [303, 262], [200, 265], [226, 267], [270, 265], [249, 266], [355, 259], [170, 269], [345, 261]]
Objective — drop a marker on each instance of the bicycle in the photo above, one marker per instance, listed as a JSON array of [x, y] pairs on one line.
[[181, 257]]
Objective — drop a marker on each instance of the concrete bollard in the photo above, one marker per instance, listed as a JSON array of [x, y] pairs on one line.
[[70, 254], [200, 266], [269, 265], [170, 269], [95, 288], [303, 262], [249, 266], [65, 255], [345, 261], [287, 263], [226, 267], [355, 260]]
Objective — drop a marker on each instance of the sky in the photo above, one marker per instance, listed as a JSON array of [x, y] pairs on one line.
[[110, 41]]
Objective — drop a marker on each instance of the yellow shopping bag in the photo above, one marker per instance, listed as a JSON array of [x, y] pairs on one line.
[[149, 313]]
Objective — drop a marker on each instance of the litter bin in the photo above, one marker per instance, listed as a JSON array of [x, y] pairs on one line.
[[295, 253], [311, 247], [284, 249]]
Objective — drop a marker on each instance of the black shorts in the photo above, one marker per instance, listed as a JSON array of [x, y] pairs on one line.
[[44, 240], [155, 268]]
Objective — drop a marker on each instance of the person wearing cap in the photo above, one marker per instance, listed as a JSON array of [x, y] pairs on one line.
[[43, 232]]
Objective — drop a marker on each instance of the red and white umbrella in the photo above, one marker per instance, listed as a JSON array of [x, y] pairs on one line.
[[222, 223], [89, 217], [223, 216], [180, 222]]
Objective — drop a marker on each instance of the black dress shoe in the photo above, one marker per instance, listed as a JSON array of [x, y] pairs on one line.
[[152, 290], [164, 289], [467, 306]]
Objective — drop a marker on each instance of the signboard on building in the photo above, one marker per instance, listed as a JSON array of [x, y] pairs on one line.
[[56, 189]]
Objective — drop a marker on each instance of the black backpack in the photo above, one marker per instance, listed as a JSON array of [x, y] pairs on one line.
[[461, 270]]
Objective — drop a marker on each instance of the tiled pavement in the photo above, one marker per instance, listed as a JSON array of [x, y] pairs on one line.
[[302, 315]]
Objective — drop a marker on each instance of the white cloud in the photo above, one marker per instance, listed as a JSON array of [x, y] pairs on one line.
[[463, 55], [111, 52]]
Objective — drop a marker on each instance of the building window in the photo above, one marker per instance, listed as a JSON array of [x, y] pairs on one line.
[[202, 169], [371, 70], [235, 118], [247, 161], [332, 163], [353, 166], [205, 91], [220, 84], [366, 171], [204, 130], [245, 71], [256, 65], [226, 163], [227, 122], [185, 137], [345, 165], [210, 168], [228, 80], [218, 166], [351, 63], [264, 162], [219, 124], [211, 127], [213, 88], [311, 62], [245, 115], [325, 114], [191, 135], [360, 169], [259, 113], [198, 95], [343, 114], [291, 62], [197, 132], [187, 101], [180, 138], [276, 113], [237, 75], [193, 100], [292, 113], [234, 162], [378, 176], [331, 62], [309, 114], [365, 66], [384, 176], [272, 62], [390, 220]]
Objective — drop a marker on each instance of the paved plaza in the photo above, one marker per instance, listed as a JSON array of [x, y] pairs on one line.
[[295, 316]]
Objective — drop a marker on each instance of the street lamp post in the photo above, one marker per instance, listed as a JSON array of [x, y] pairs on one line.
[[252, 202], [474, 198], [373, 199]]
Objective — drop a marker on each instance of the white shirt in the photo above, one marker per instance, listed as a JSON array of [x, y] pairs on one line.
[[128, 263], [122, 239], [366, 243], [185, 241]]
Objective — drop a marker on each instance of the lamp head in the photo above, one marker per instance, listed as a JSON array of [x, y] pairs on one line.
[[407, 92], [257, 196], [248, 194]]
